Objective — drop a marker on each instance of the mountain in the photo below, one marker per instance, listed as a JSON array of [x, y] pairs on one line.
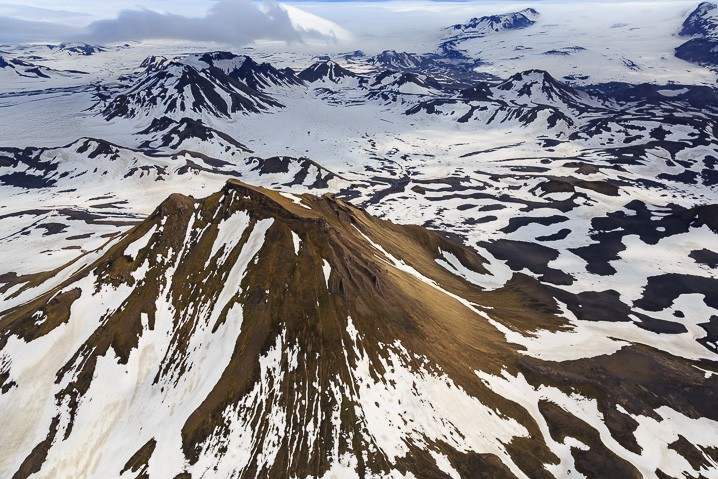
[[325, 71], [532, 97], [391, 86], [82, 49], [451, 68], [164, 134], [92, 189], [539, 87], [498, 260], [79, 164], [393, 60], [701, 51], [702, 24], [211, 84], [153, 62], [258, 76], [497, 23], [15, 68], [695, 95], [287, 171], [257, 333], [85, 192], [479, 27], [175, 150]]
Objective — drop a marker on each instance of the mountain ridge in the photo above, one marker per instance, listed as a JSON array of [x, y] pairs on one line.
[[302, 325]]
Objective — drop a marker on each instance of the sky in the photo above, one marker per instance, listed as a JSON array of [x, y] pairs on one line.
[[242, 22], [226, 21]]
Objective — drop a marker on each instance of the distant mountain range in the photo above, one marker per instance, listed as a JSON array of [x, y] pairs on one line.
[[18, 68], [478, 27]]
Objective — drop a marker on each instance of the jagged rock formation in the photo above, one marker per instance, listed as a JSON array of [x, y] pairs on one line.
[[218, 84]]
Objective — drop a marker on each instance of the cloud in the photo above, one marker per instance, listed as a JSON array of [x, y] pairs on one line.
[[32, 13], [14, 30], [236, 22]]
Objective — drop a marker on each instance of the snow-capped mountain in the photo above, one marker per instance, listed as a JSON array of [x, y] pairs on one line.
[[451, 67], [80, 161], [479, 27], [14, 67], [326, 71], [496, 23], [153, 62], [496, 259], [187, 134], [532, 98], [701, 51], [702, 24], [696, 95], [391, 86], [255, 75], [210, 84], [393, 60], [539, 87], [91, 189], [83, 49]]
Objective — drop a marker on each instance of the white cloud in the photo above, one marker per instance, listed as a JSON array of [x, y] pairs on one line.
[[33, 13], [235, 22], [229, 21], [14, 30]]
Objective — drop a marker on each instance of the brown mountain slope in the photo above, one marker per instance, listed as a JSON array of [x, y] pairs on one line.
[[259, 334]]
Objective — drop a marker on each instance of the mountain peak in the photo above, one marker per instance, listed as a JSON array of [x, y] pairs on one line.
[[78, 48], [398, 60], [702, 22], [327, 339], [534, 74], [325, 70], [496, 23], [189, 86], [269, 201], [535, 82], [154, 62], [188, 133]]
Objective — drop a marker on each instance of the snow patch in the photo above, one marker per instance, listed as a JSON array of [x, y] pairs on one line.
[[134, 248], [295, 199], [296, 241], [327, 270]]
